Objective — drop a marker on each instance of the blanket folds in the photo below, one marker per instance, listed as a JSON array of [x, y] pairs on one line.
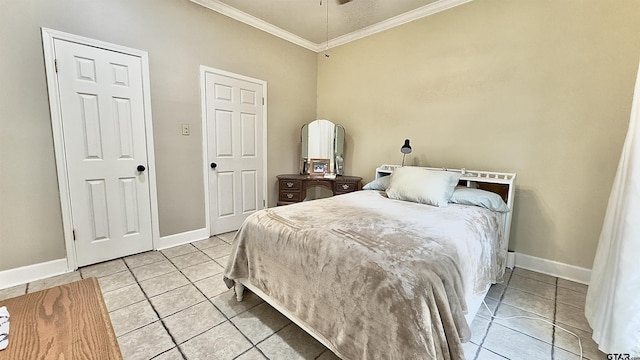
[[375, 278]]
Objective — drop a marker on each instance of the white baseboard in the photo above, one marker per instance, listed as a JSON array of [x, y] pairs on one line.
[[553, 268], [29, 273], [181, 238]]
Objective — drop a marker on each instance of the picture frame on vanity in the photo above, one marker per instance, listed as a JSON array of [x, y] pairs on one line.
[[319, 167]]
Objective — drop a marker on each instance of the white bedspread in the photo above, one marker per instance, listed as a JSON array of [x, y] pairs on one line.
[[375, 278]]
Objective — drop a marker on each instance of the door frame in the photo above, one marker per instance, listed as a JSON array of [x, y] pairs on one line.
[[205, 140], [48, 38]]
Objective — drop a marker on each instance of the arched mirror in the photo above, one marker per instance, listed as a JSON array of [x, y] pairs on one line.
[[322, 148]]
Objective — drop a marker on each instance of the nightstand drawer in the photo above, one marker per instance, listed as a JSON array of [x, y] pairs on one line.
[[290, 196], [345, 187], [295, 185]]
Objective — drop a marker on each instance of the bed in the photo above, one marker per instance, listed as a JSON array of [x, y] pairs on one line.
[[372, 276]]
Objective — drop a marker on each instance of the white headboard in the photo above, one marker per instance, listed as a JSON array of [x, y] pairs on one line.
[[497, 182]]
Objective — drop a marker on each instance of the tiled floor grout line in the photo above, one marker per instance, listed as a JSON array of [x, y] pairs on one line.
[[201, 292], [137, 302], [154, 309], [234, 325], [228, 318], [275, 332], [129, 269], [322, 353], [506, 285], [555, 312], [148, 299], [253, 346], [214, 305], [526, 290], [537, 315], [554, 315], [207, 286], [484, 337]]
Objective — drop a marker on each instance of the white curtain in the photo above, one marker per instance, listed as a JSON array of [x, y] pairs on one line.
[[613, 298]]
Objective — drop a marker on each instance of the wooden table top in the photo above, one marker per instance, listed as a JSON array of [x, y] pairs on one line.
[[65, 322]]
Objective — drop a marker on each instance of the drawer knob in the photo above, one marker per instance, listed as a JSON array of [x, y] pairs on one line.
[[289, 184], [345, 186], [289, 196]]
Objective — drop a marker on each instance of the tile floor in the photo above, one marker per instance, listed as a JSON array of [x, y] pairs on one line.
[[172, 304]]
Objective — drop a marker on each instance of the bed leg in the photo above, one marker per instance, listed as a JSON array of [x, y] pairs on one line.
[[239, 288]]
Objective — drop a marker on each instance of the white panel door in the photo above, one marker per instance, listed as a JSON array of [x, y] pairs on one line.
[[234, 123], [102, 108]]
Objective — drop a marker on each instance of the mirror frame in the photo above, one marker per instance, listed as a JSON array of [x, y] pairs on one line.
[[336, 160]]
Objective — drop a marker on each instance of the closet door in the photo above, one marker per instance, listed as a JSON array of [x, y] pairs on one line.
[[235, 149], [103, 120]]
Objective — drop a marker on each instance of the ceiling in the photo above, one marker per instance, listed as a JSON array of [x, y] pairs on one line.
[[304, 22]]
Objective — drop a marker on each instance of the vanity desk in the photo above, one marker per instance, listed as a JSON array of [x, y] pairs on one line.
[[322, 152], [293, 188]]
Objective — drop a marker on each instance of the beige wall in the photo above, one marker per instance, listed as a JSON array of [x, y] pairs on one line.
[[179, 37], [540, 88]]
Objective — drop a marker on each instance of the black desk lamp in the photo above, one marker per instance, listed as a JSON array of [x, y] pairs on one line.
[[405, 149]]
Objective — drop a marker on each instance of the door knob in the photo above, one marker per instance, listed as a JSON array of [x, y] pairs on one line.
[[141, 168], [214, 165]]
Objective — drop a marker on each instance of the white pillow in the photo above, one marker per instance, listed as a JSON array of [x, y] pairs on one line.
[[431, 187], [378, 184], [486, 199]]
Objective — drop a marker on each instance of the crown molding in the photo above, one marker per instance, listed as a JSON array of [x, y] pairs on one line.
[[424, 11], [419, 13], [251, 20]]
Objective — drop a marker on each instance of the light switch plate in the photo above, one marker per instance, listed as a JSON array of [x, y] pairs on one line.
[[186, 130]]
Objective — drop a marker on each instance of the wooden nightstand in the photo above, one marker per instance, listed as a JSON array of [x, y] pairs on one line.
[[293, 188]]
